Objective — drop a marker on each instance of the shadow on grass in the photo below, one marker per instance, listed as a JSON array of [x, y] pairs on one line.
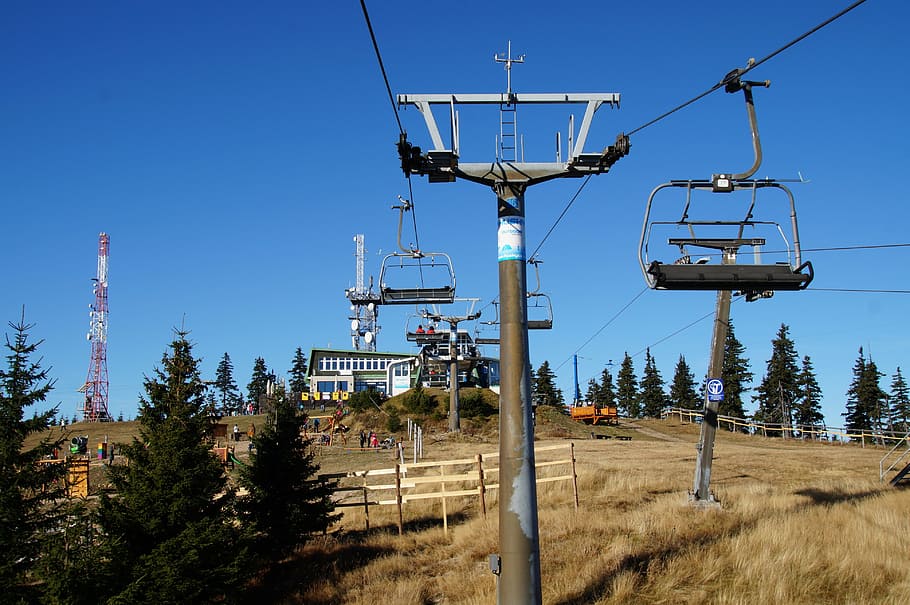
[[821, 497], [284, 581], [327, 560]]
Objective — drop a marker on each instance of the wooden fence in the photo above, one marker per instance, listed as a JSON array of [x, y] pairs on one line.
[[446, 479], [815, 432]]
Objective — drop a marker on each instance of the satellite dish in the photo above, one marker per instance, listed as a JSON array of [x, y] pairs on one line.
[[368, 337], [355, 324], [88, 336], [370, 307], [353, 308]]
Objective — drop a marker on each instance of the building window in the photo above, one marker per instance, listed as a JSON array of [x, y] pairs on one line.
[[325, 386]]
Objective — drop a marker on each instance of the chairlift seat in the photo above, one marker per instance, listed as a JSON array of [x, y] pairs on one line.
[[540, 324], [416, 296], [747, 278], [486, 341], [423, 338]]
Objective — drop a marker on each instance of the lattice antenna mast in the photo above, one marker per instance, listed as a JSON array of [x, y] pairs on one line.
[[95, 407], [364, 304]]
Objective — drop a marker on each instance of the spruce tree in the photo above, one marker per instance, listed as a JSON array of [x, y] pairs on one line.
[[607, 391], [227, 391], [544, 387], [736, 375], [627, 397], [592, 395], [653, 397], [27, 490], [285, 503], [170, 532], [864, 398], [297, 373], [808, 408], [900, 403], [682, 389], [779, 388], [258, 385]]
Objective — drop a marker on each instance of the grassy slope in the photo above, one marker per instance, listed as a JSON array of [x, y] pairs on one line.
[[799, 523]]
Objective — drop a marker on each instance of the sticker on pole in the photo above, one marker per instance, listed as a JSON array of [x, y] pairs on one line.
[[511, 238], [715, 389]]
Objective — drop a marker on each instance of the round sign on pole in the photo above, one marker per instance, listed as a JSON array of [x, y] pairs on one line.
[[715, 389]]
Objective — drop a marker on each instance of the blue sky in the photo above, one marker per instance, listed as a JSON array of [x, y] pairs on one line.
[[232, 151]]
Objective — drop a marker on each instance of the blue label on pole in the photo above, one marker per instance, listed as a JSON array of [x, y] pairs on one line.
[[511, 238], [715, 389]]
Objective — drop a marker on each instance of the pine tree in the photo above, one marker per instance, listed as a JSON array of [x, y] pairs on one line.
[[259, 382], [297, 373], [607, 391], [627, 396], [170, 533], [653, 397], [864, 398], [228, 393], [808, 408], [900, 403], [736, 376], [592, 395], [682, 390], [285, 503], [27, 490], [779, 389], [544, 387]]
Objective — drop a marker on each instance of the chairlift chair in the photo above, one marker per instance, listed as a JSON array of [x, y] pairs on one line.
[[755, 280], [539, 304], [419, 265], [688, 272]]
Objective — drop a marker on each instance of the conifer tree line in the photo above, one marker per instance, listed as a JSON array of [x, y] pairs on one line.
[[174, 529], [788, 394], [227, 399]]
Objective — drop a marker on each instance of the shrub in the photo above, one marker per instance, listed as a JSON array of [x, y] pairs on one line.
[[362, 401], [473, 404], [418, 401]]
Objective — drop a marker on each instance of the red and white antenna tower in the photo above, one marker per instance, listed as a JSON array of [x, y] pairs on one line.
[[96, 385]]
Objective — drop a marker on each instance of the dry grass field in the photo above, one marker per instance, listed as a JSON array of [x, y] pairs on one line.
[[798, 523]]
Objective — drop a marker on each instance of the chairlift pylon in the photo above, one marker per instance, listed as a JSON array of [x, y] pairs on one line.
[[726, 237], [414, 262]]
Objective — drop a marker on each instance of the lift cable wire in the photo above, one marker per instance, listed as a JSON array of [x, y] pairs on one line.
[[603, 327], [565, 210], [388, 87], [865, 291], [752, 65], [385, 77]]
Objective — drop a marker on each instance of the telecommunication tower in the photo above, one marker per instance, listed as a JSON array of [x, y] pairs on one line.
[[95, 389], [364, 305]]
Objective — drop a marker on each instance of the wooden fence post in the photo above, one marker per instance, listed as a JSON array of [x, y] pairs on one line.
[[574, 475], [445, 519], [398, 498], [481, 488], [366, 502]]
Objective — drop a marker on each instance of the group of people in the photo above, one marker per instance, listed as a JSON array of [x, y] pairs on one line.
[[369, 440], [431, 329]]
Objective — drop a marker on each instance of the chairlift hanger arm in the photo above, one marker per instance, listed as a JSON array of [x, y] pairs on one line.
[[732, 84]]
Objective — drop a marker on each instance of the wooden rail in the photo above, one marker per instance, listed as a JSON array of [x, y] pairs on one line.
[[796, 431], [446, 479]]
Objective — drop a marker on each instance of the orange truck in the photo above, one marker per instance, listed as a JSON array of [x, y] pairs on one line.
[[592, 414]]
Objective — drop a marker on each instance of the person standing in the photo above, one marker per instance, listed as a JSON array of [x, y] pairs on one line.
[[236, 433], [363, 439]]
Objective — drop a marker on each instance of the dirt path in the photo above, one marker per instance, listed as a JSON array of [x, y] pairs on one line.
[[624, 423]]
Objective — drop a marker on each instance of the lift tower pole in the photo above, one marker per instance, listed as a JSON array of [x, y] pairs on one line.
[[518, 564]]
